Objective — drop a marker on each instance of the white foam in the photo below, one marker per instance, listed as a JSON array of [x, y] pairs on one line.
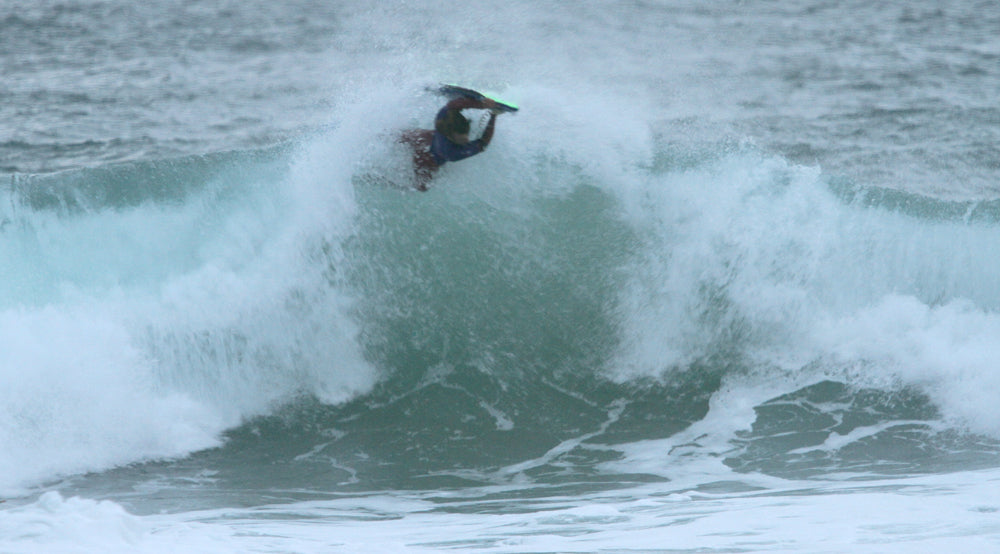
[[55, 524], [926, 514], [156, 327], [78, 396], [753, 254], [949, 351]]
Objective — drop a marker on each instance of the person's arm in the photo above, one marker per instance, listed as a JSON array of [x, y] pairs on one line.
[[483, 104], [463, 103], [488, 132], [457, 105]]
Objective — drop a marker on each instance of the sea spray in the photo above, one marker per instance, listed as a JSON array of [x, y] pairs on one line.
[[180, 313]]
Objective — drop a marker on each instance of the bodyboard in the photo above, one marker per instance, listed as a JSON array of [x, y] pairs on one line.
[[455, 91]]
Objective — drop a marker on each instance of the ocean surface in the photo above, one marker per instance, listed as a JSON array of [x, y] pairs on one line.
[[728, 282]]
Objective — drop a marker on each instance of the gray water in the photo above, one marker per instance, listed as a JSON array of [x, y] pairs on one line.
[[731, 265]]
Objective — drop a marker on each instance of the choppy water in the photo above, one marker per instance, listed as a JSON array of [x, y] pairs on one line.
[[727, 282]]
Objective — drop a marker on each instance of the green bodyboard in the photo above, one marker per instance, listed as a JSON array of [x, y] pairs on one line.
[[455, 91]]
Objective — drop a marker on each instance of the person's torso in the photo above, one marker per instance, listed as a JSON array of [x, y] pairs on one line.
[[445, 150]]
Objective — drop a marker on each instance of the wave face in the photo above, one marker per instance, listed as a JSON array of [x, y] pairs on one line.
[[537, 315]]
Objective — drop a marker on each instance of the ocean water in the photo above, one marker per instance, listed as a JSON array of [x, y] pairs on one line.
[[728, 282]]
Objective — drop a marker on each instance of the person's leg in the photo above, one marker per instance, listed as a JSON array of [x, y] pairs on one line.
[[424, 165]]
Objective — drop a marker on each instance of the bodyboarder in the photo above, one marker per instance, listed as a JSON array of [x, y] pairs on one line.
[[449, 140]]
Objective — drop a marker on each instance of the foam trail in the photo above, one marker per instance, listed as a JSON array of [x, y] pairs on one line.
[[912, 514]]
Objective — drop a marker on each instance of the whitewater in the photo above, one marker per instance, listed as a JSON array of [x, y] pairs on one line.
[[727, 282]]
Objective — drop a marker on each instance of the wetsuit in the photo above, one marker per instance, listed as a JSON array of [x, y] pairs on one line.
[[432, 149]]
